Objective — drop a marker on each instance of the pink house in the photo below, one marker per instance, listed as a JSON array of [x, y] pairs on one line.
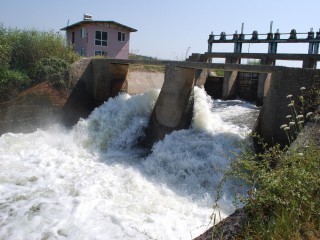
[[99, 38]]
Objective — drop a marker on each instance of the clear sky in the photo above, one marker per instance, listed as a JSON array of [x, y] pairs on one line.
[[170, 29]]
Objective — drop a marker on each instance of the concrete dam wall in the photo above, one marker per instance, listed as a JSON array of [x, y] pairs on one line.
[[93, 81], [42, 104], [172, 110]]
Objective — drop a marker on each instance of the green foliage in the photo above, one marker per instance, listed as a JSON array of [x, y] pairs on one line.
[[219, 72], [140, 57], [52, 69], [253, 61], [5, 49], [29, 47], [31, 54], [280, 190], [301, 107], [145, 68], [282, 199], [12, 82]]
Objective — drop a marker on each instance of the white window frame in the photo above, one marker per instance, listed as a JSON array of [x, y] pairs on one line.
[[121, 36], [83, 32], [101, 40]]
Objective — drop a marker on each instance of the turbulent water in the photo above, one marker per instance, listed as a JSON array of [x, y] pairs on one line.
[[93, 182]]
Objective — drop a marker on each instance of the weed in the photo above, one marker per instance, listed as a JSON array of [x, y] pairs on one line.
[[280, 189]]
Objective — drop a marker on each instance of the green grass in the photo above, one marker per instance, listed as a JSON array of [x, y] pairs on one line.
[[145, 68], [141, 57]]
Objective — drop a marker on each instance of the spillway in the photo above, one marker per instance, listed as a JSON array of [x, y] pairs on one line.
[[94, 182]]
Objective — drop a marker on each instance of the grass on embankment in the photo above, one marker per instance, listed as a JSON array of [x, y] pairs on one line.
[[280, 188], [283, 200], [145, 68]]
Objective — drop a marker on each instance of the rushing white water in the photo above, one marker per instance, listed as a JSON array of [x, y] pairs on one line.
[[92, 182]]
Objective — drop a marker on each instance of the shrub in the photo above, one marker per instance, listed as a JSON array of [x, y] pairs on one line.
[[253, 61], [52, 69], [283, 199], [219, 72], [12, 82], [22, 59], [280, 189], [301, 108], [30, 46], [5, 50]]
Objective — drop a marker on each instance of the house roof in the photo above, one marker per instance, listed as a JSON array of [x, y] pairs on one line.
[[95, 22]]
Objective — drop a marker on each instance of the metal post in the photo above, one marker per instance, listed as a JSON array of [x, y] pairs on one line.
[[211, 37], [316, 44], [311, 44], [209, 47], [316, 48], [310, 50], [270, 37], [275, 44]]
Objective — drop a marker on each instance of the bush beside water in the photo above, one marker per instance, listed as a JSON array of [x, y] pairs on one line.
[[28, 57], [280, 188], [282, 198]]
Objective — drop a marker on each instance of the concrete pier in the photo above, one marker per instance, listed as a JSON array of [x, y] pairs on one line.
[[230, 77], [264, 81], [173, 109]]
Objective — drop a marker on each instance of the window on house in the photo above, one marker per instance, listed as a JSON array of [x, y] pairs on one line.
[[121, 36], [83, 32], [82, 52], [100, 53], [72, 37], [101, 38]]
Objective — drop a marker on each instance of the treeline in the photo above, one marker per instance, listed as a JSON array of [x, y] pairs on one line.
[[28, 57]]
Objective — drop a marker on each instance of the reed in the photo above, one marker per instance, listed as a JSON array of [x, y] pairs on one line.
[[22, 53]]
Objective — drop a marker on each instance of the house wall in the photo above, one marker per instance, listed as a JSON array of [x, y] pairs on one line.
[[115, 48], [79, 42]]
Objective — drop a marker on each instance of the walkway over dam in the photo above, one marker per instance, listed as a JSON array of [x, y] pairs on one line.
[[96, 80]]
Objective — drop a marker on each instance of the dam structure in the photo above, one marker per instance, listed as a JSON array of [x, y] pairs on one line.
[[92, 181], [96, 80]]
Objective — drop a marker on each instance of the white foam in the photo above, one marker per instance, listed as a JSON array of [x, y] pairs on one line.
[[92, 182]]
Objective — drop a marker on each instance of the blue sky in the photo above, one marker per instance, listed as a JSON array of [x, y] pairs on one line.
[[171, 29]]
